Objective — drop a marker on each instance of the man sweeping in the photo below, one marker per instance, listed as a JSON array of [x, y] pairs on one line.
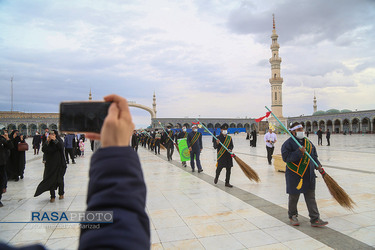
[[194, 142], [224, 158], [300, 175]]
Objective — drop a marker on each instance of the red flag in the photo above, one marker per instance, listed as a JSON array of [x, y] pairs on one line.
[[261, 118], [196, 123]]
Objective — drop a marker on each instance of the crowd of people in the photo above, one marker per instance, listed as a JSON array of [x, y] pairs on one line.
[[56, 153]]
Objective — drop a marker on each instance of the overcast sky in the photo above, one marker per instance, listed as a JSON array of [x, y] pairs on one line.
[[206, 58]]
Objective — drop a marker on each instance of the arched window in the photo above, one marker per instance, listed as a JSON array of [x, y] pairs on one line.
[[275, 76], [275, 96]]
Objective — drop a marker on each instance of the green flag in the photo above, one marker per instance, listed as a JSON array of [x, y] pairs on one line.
[[184, 150]]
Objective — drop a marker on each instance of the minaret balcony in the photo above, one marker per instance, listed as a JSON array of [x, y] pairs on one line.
[[275, 46], [276, 80], [275, 60]]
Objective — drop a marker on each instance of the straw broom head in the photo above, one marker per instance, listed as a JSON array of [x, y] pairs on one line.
[[338, 193], [249, 172], [162, 146]]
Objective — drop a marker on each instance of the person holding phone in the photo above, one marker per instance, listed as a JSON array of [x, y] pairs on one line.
[[55, 167]]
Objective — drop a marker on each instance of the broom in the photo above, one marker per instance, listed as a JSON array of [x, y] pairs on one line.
[[248, 171], [175, 144], [335, 190], [161, 145]]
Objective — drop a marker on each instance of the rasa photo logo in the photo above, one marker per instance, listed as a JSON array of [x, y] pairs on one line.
[[72, 217]]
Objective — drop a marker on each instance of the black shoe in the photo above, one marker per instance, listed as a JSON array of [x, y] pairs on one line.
[[228, 185], [193, 170], [21, 176], [216, 179], [73, 162], [1, 204], [200, 170], [67, 162], [17, 179]]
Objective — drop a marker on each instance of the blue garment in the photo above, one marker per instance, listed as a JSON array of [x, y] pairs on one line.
[[291, 153], [198, 144], [116, 184], [68, 141]]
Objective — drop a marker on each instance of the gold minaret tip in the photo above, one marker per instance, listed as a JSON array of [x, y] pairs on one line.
[[273, 16]]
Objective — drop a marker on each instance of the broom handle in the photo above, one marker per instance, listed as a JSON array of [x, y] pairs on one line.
[[215, 138], [167, 134], [299, 145]]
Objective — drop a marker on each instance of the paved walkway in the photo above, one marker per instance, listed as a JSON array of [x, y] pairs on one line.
[[188, 211]]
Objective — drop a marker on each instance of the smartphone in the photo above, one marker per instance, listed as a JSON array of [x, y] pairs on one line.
[[85, 116]]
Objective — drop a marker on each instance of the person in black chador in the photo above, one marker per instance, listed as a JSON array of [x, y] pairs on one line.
[[182, 135], [320, 137], [16, 164], [328, 136], [168, 142], [5, 145], [194, 142], [55, 167], [253, 141], [224, 158], [37, 139]]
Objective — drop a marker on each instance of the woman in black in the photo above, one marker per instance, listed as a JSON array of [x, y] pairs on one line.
[[55, 167]]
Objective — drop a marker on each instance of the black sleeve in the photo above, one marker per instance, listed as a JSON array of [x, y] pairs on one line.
[[116, 184]]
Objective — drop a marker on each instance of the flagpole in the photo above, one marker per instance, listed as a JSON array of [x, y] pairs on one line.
[[299, 145], [169, 136]]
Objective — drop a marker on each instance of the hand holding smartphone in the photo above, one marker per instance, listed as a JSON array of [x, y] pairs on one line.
[[86, 116]]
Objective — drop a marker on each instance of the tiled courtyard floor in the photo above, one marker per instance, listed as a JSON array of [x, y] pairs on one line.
[[188, 211]]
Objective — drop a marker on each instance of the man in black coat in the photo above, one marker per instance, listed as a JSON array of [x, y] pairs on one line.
[[168, 140], [135, 139], [320, 137], [224, 158], [328, 136]]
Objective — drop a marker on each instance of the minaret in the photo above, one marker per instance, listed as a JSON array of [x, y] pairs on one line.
[[90, 96], [154, 103], [276, 80], [315, 106]]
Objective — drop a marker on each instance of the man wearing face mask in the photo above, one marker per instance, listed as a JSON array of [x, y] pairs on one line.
[[194, 142], [182, 135], [300, 175], [224, 158]]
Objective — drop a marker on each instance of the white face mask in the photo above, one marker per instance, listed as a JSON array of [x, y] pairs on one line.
[[300, 134], [224, 132], [195, 130], [168, 129], [184, 129]]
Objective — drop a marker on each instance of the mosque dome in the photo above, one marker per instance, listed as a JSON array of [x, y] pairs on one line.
[[332, 111], [319, 112], [346, 111]]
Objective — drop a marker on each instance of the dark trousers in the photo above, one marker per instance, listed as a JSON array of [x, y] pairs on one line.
[[3, 179], [328, 143], [269, 154], [170, 150], [69, 151], [61, 190], [310, 203], [157, 147], [320, 140], [197, 155], [227, 176]]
